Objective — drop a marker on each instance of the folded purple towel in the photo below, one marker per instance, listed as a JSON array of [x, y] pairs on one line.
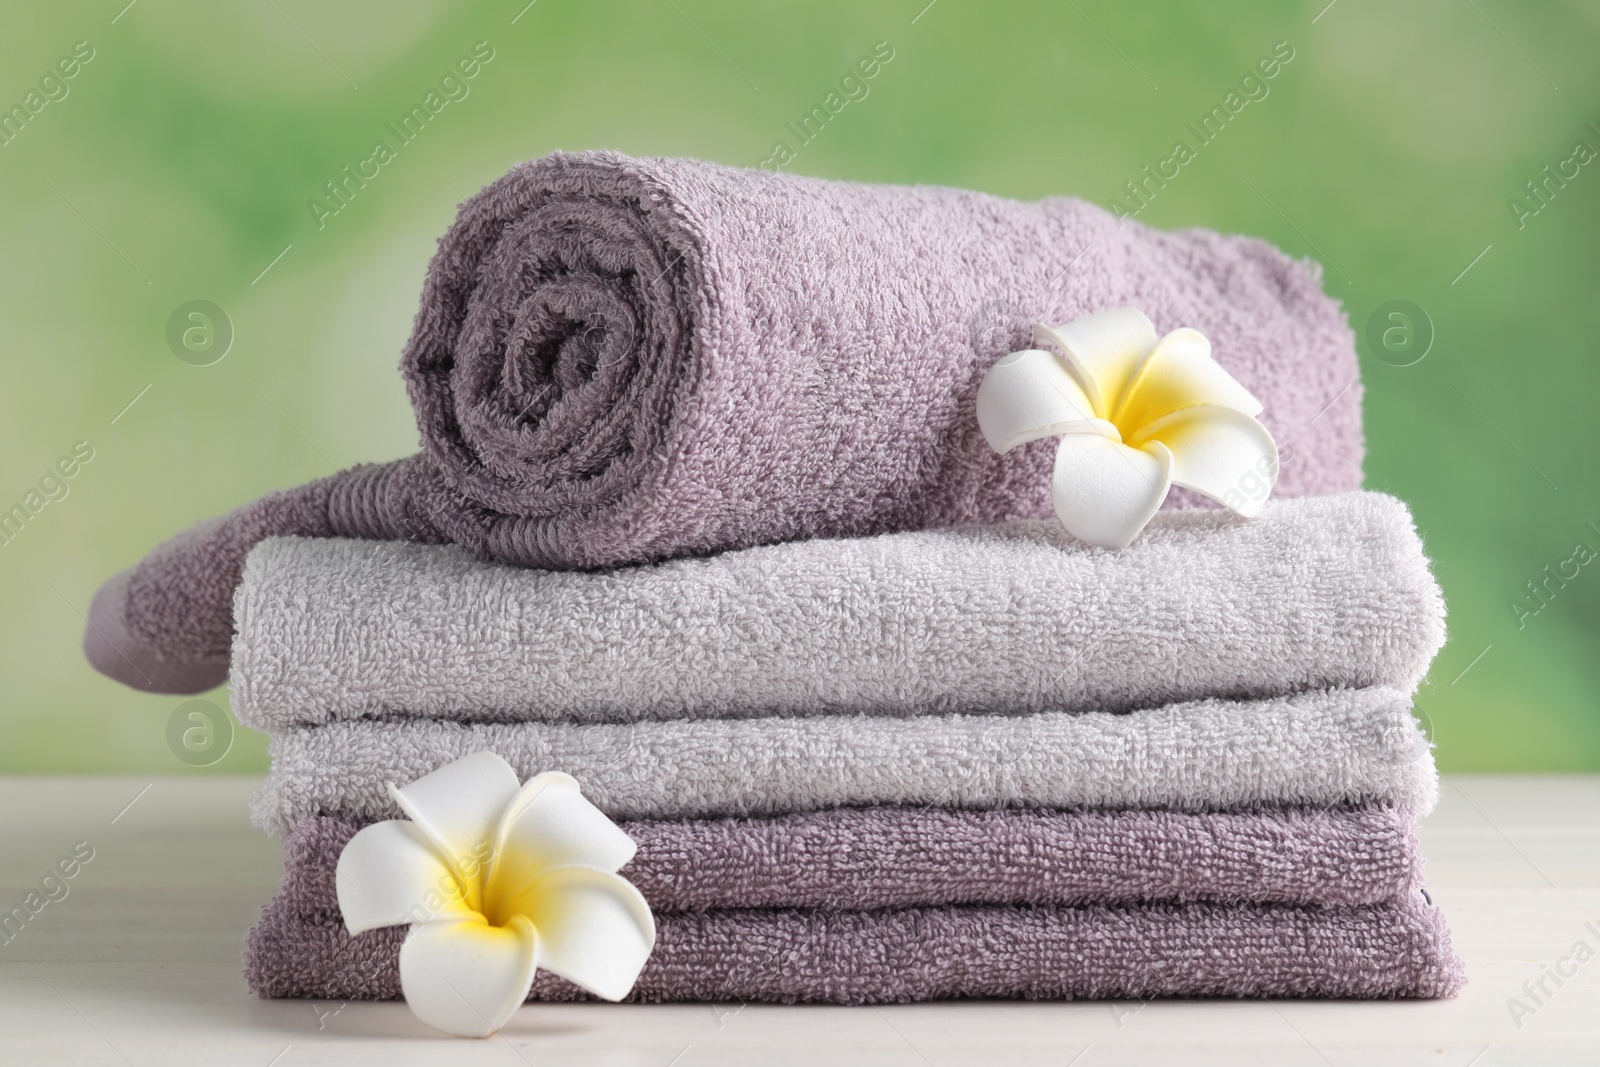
[[1395, 949], [889, 857], [621, 360], [900, 904]]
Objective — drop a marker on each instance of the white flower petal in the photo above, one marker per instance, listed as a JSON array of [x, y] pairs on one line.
[[595, 930], [1219, 452], [1178, 373], [459, 806], [390, 873], [1105, 492], [1031, 394], [1104, 351], [551, 824], [468, 978]]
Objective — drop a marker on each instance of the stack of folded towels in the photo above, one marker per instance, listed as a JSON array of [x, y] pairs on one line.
[[704, 520]]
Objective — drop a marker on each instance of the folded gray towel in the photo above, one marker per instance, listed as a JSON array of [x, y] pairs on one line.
[[1318, 748], [1396, 949], [1316, 593]]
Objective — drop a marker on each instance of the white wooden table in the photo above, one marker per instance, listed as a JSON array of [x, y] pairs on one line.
[[139, 962]]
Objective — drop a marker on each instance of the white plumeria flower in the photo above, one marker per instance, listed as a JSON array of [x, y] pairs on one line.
[[1135, 415], [497, 879]]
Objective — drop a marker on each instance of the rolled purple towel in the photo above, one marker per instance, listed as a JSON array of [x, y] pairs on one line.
[[1399, 948], [619, 361], [898, 857]]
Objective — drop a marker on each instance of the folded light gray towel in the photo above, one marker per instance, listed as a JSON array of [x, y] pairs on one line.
[[1317, 748], [1020, 617]]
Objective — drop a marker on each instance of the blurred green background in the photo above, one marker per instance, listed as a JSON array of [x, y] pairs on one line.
[[180, 162]]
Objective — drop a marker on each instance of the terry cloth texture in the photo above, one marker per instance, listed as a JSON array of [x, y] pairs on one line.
[[1317, 749], [1317, 592], [1395, 949], [620, 360], [864, 858]]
